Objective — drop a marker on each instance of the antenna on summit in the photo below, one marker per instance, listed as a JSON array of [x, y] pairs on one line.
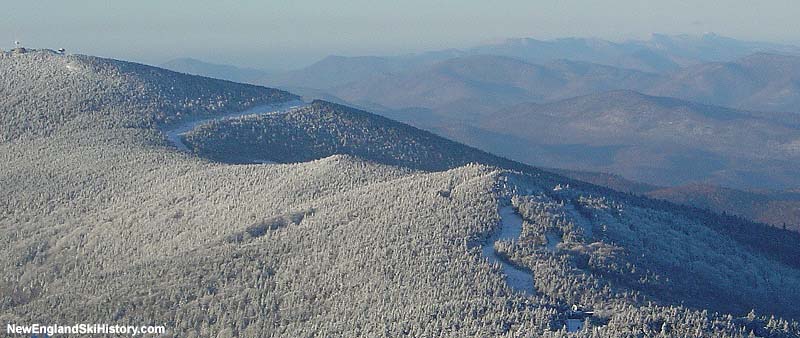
[[18, 48]]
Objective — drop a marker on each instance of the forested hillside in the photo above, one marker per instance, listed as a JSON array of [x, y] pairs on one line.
[[781, 209], [103, 220], [778, 208], [323, 129]]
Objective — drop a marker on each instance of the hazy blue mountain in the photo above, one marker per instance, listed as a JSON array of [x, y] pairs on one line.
[[633, 55], [714, 47], [660, 53], [335, 71], [656, 140], [465, 87], [217, 71], [781, 209], [473, 85], [767, 82], [709, 68]]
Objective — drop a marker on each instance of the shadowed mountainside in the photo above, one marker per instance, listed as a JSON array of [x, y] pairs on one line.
[[778, 208], [781, 209]]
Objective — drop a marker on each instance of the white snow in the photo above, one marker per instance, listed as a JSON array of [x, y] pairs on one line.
[[264, 162]]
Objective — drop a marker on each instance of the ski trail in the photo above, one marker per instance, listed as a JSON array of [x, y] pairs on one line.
[[174, 133], [510, 228]]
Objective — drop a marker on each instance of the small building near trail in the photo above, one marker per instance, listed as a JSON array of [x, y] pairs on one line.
[[576, 318]]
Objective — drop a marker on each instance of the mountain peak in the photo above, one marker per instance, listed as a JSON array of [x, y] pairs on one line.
[[120, 93]]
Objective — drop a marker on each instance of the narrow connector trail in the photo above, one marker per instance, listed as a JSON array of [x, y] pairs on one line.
[[174, 133]]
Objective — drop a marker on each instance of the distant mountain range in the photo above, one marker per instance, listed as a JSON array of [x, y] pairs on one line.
[[762, 82], [464, 87], [766, 82], [217, 71], [722, 71], [657, 140], [660, 53]]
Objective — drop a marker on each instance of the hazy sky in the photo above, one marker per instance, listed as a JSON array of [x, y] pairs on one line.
[[284, 33]]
